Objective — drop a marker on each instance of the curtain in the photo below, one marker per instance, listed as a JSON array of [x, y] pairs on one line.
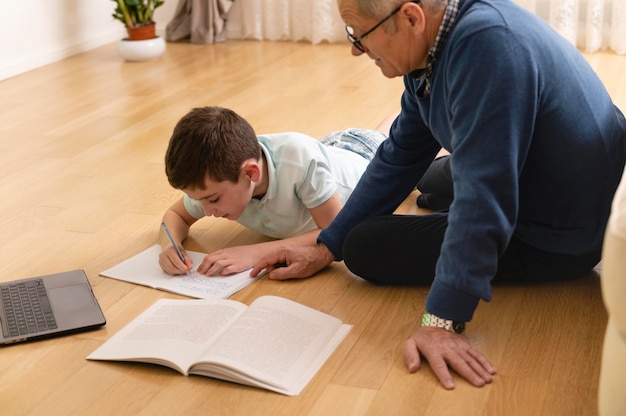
[[200, 21], [589, 24], [296, 20]]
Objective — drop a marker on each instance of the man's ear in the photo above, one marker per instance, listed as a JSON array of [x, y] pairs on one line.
[[414, 14], [251, 169]]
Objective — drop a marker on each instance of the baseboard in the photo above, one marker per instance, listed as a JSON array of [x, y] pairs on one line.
[[63, 51]]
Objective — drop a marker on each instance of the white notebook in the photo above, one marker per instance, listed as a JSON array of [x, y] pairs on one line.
[[143, 269]]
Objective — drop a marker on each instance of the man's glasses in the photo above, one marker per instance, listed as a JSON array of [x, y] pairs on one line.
[[357, 41]]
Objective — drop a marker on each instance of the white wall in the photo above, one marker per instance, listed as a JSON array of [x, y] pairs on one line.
[[37, 32]]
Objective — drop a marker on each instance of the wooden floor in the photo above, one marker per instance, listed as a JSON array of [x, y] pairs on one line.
[[82, 186]]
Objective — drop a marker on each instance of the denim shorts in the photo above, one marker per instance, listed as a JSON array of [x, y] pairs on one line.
[[360, 141]]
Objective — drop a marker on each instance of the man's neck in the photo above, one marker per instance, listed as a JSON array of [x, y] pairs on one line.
[[433, 23]]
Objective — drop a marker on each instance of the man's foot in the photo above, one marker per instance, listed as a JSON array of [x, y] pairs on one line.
[[434, 202]]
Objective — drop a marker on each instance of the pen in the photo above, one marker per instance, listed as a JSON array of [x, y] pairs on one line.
[[180, 255]]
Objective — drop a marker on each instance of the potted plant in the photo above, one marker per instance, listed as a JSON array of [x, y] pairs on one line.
[[137, 16]]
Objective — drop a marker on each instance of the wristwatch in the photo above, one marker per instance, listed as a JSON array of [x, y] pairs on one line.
[[428, 319]]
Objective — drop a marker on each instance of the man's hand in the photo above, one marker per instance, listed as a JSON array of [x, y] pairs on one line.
[[443, 349], [294, 262]]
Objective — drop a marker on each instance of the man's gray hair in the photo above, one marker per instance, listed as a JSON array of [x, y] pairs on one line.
[[377, 9]]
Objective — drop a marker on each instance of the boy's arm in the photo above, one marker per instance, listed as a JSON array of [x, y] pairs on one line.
[[240, 258], [325, 213], [178, 222], [237, 259]]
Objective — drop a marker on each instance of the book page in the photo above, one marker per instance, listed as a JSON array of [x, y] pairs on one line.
[[144, 269], [171, 332], [276, 343]]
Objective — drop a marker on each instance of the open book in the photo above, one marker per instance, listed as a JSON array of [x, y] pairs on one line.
[[274, 343], [144, 269]]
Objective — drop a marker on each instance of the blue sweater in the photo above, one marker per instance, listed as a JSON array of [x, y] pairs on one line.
[[537, 150]]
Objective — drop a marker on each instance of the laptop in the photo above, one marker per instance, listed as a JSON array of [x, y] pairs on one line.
[[46, 306]]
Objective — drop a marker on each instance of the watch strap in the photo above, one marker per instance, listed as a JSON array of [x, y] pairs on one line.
[[428, 319]]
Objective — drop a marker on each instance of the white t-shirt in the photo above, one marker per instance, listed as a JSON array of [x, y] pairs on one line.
[[303, 173]]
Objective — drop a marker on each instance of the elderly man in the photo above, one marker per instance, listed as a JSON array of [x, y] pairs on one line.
[[528, 125]]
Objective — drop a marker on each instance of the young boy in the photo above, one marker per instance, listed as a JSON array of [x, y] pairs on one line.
[[285, 185]]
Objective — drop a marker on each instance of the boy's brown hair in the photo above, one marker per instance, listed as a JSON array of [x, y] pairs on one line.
[[209, 141]]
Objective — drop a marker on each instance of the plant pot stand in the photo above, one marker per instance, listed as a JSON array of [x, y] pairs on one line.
[[141, 50]]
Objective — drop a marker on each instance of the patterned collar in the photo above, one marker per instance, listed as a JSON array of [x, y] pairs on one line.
[[448, 19]]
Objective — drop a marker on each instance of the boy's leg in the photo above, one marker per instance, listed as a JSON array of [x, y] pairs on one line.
[[385, 125], [396, 249], [360, 141]]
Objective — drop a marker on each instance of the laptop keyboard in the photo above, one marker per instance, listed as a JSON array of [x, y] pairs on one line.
[[27, 308]]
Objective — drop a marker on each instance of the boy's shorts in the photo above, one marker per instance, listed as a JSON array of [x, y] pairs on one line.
[[360, 141]]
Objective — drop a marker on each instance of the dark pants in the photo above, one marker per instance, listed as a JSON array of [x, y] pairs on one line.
[[436, 186], [403, 250]]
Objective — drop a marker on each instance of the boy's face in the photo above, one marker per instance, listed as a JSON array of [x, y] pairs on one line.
[[224, 199]]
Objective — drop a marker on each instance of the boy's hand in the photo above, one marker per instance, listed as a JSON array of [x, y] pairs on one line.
[[171, 263], [230, 260]]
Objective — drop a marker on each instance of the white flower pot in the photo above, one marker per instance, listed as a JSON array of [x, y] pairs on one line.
[[141, 50]]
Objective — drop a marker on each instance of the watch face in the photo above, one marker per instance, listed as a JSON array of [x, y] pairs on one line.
[[459, 327]]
